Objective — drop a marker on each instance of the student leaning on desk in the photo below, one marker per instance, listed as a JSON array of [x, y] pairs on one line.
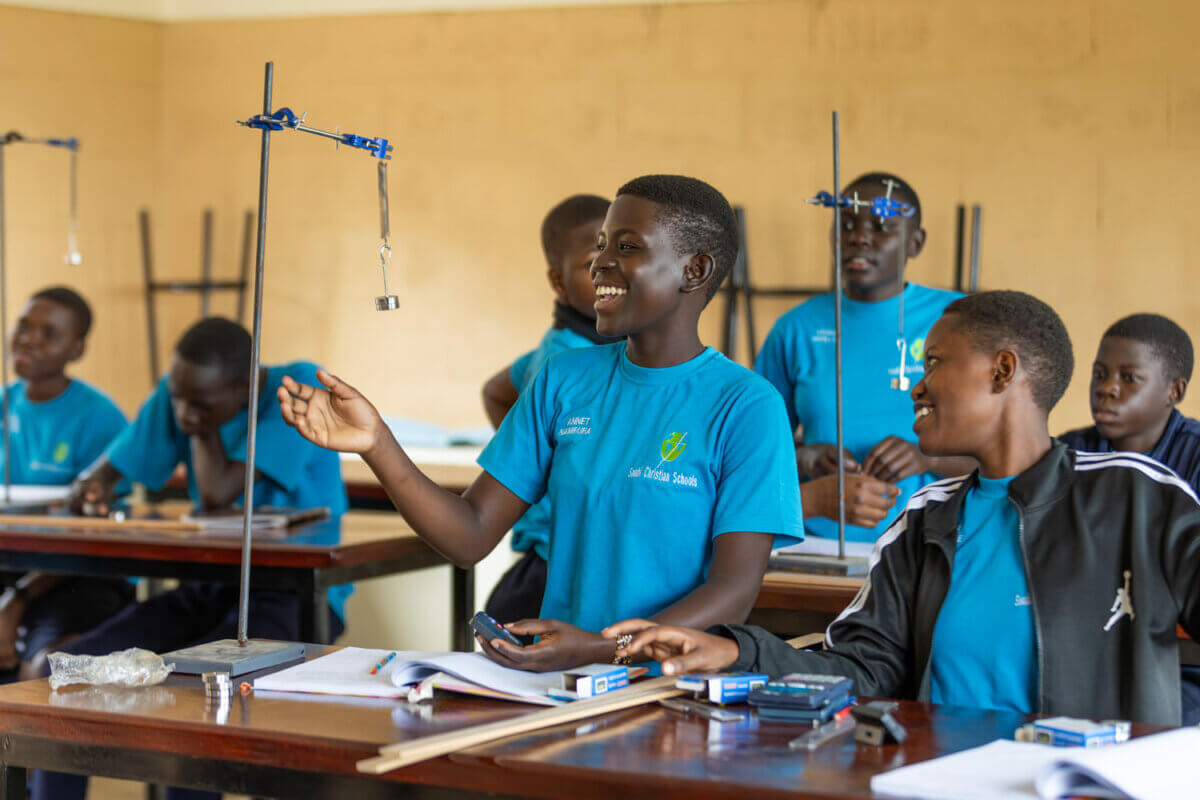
[[1048, 581], [669, 469]]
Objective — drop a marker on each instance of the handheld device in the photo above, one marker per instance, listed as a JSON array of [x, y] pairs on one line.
[[489, 629]]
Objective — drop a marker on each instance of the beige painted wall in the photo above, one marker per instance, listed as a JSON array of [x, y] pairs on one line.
[[1074, 123]]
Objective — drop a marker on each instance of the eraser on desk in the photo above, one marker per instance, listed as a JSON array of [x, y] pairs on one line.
[[1069, 732], [591, 681], [722, 687]]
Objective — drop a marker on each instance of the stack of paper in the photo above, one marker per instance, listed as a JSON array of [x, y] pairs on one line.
[[348, 672], [1157, 767]]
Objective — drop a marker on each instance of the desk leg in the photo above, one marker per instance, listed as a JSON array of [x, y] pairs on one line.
[[462, 608], [12, 783], [320, 612]]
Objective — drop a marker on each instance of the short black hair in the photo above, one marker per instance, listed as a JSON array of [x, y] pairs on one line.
[[217, 342], [1020, 322], [1170, 343], [73, 302], [570, 213], [697, 216], [903, 188]]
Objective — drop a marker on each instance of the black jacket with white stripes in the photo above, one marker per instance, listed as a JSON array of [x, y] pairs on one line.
[[1085, 519]]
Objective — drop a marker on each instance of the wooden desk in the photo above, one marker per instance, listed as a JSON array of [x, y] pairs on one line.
[[452, 468], [308, 559], [306, 746]]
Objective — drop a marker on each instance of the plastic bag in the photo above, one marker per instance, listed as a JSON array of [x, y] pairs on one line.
[[132, 667]]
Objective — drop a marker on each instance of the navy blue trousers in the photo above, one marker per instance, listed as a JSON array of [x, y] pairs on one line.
[[192, 614]]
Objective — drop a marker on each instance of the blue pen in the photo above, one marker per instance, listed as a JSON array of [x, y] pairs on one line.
[[375, 669]]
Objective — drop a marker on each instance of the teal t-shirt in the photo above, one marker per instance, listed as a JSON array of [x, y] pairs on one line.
[[643, 469], [54, 441], [296, 473], [532, 531], [984, 644], [798, 359]]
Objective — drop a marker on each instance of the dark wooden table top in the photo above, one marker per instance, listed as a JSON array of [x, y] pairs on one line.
[[359, 537], [635, 751]]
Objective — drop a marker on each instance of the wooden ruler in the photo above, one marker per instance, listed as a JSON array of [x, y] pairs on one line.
[[98, 523], [402, 754]]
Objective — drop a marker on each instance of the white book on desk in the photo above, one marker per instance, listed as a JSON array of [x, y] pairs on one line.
[[1158, 767], [348, 672]]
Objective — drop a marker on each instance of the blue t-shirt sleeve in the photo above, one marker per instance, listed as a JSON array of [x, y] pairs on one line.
[[758, 489], [520, 453], [280, 453], [518, 373], [774, 364], [149, 449]]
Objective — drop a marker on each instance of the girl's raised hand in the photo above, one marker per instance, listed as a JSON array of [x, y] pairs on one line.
[[336, 418]]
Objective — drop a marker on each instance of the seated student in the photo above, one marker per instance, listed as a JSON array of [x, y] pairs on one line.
[[569, 234], [197, 416], [884, 465], [1140, 374], [1049, 581], [59, 425], [669, 468]]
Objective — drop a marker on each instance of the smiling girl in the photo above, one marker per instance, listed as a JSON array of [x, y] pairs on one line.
[[1048, 581], [669, 469]]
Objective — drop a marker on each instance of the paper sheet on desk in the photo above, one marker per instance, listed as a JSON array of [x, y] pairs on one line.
[[1154, 767], [348, 672], [28, 495], [815, 545]]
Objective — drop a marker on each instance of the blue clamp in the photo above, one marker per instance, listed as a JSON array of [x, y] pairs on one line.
[[71, 144], [276, 121], [376, 147], [286, 118], [827, 200], [885, 207]]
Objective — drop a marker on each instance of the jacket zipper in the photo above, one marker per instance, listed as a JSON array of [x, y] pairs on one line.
[[1037, 625]]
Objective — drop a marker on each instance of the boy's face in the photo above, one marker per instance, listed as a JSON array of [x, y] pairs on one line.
[[956, 404], [571, 277], [203, 399], [1130, 390], [637, 274], [45, 340], [874, 249]]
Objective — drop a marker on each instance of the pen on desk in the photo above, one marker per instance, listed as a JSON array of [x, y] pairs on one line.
[[375, 669]]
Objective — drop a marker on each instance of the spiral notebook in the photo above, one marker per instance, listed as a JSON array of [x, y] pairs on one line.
[[348, 672]]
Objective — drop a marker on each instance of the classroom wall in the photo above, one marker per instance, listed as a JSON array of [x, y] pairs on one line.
[[1073, 123], [99, 79]]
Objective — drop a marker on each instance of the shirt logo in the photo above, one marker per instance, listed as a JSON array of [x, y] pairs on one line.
[[1122, 606], [672, 447], [61, 452], [918, 350], [1022, 600]]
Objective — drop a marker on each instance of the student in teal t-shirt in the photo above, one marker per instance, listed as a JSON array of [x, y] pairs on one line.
[[197, 416], [569, 233], [58, 425], [884, 465], [669, 469]]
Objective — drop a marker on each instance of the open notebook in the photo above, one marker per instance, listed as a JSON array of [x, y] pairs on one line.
[[1158, 767], [348, 672]]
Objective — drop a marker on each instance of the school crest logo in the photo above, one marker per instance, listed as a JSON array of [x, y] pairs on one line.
[[918, 350], [673, 446], [61, 452]]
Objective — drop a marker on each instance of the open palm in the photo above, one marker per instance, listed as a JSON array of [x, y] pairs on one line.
[[336, 418]]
